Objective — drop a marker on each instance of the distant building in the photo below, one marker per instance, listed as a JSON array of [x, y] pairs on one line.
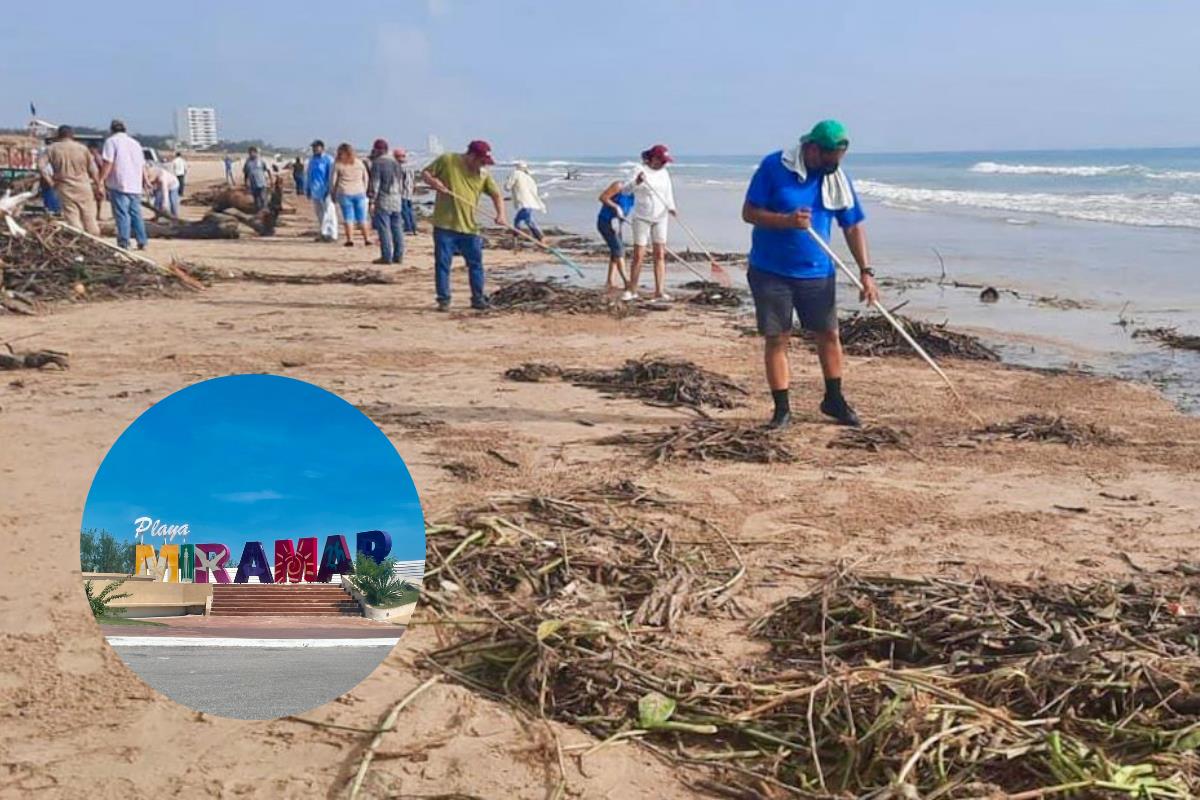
[[196, 127]]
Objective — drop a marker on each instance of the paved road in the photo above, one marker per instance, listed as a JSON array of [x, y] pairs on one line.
[[252, 682]]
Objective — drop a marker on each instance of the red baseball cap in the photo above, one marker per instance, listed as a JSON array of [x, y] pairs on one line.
[[658, 151], [482, 149], [380, 146]]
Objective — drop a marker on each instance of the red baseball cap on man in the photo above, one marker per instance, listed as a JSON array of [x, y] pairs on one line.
[[481, 149], [659, 151]]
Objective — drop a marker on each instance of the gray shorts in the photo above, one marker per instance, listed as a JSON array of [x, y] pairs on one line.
[[814, 301]]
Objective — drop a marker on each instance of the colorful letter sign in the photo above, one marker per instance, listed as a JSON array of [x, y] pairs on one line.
[[296, 562], [375, 545], [210, 560], [254, 564], [335, 559]]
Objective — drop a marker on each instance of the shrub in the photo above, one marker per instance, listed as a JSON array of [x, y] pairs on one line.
[[100, 603], [379, 585]]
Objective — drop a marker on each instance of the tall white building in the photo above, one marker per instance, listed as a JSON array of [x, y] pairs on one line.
[[196, 127]]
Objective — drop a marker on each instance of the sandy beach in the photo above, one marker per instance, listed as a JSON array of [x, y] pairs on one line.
[[76, 721]]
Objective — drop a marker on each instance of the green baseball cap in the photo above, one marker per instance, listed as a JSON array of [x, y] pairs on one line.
[[828, 134]]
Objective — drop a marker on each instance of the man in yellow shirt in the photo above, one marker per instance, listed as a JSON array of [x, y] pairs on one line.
[[459, 179]]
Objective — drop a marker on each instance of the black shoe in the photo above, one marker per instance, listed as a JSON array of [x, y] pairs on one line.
[[780, 421], [841, 411], [481, 305], [443, 306]]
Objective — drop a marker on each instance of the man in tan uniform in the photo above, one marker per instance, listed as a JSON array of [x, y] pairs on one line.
[[76, 180]]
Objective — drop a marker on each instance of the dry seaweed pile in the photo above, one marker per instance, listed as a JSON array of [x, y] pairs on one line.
[[545, 297], [872, 335], [708, 440], [711, 293], [602, 552], [659, 381], [875, 687], [932, 685], [359, 277], [1169, 337], [1043, 428], [56, 263], [872, 438]]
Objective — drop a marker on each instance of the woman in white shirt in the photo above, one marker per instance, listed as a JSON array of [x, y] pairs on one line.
[[654, 201]]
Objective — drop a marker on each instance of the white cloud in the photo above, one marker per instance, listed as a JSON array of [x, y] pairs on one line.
[[249, 497]]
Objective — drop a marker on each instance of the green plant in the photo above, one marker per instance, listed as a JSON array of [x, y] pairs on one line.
[[100, 551], [379, 585], [101, 603]]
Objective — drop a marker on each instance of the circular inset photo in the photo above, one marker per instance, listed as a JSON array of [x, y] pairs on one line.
[[252, 546]]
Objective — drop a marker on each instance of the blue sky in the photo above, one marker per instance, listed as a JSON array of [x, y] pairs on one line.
[[541, 78], [257, 457]]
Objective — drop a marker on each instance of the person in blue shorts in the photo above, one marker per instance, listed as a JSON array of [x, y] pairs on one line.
[[615, 207], [793, 190]]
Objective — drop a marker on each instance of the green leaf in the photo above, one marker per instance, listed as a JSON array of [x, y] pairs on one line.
[[654, 710], [548, 627]]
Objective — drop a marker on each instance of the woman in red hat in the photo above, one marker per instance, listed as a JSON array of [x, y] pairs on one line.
[[654, 201]]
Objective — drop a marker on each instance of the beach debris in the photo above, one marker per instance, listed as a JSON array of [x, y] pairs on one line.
[[658, 381], [707, 440], [1169, 337], [874, 686], [357, 276], [462, 470], [212, 226], [548, 296], [54, 262], [414, 422], [711, 293], [1045, 428], [35, 359], [872, 335], [989, 295], [872, 438]]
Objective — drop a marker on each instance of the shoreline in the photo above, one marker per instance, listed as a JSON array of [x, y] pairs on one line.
[[954, 503]]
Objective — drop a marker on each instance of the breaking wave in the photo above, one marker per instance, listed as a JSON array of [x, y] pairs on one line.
[[1084, 170], [1177, 209]]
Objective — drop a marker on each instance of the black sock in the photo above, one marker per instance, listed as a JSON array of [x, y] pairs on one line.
[[833, 389], [780, 396]]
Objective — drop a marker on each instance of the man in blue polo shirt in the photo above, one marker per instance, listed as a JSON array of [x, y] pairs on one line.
[[791, 191]]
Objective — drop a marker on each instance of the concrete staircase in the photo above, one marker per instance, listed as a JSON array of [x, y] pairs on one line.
[[282, 599]]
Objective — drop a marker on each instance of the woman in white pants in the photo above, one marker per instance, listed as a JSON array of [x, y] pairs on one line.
[[654, 202]]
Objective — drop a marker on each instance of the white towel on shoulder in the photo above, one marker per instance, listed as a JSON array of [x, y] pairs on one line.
[[836, 194]]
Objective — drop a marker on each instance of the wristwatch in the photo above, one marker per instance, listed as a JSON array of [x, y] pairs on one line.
[[867, 271]]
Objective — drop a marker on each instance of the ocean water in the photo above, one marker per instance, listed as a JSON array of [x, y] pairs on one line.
[[1114, 234]]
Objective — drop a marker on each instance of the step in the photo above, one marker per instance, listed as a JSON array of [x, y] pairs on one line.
[[260, 613], [283, 609]]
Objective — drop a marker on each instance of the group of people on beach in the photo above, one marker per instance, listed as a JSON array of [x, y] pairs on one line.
[[793, 190], [76, 179]]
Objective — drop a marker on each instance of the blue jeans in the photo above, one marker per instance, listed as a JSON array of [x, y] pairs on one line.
[[127, 211], [299, 185], [526, 215], [391, 235], [446, 245], [410, 221], [260, 197], [172, 204]]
